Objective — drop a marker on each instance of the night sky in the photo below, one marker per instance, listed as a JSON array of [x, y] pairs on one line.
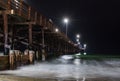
[[97, 21]]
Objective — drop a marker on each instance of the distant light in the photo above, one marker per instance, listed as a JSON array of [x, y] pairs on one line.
[[85, 45], [66, 20], [67, 57], [12, 11], [69, 41], [51, 20], [85, 53], [77, 40], [56, 30], [78, 36], [75, 44]]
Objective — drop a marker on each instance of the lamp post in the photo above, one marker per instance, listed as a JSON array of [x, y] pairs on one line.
[[66, 20], [78, 40], [85, 45], [43, 46]]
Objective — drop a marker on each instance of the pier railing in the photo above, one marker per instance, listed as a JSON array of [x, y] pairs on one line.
[[22, 9]]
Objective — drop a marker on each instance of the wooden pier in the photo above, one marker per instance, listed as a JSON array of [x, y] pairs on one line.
[[23, 28]]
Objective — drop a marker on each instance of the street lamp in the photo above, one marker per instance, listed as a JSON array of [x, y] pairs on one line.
[[85, 45], [66, 20], [77, 40], [77, 36]]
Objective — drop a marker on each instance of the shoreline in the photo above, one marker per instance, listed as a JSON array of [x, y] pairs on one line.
[[7, 77], [23, 78]]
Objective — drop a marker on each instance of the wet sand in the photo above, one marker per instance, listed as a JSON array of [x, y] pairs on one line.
[[19, 78]]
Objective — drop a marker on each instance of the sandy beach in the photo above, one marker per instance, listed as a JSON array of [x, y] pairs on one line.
[[19, 78]]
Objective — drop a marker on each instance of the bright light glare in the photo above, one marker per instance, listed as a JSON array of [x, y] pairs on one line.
[[12, 11], [85, 53], [56, 30], [85, 45], [77, 40], [67, 57], [66, 20], [78, 36]]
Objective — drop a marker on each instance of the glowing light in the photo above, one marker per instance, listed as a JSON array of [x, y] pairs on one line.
[[56, 30], [66, 20], [67, 57], [85, 53], [51, 20], [85, 45], [78, 36], [75, 44], [69, 41], [12, 11], [77, 40]]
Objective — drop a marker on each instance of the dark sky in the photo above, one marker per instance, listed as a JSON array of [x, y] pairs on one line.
[[97, 21]]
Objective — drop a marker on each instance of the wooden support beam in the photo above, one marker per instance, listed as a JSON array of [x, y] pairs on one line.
[[5, 20], [36, 16], [30, 34], [25, 23], [13, 33], [43, 38], [20, 8], [8, 4], [43, 46], [40, 19], [29, 13]]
